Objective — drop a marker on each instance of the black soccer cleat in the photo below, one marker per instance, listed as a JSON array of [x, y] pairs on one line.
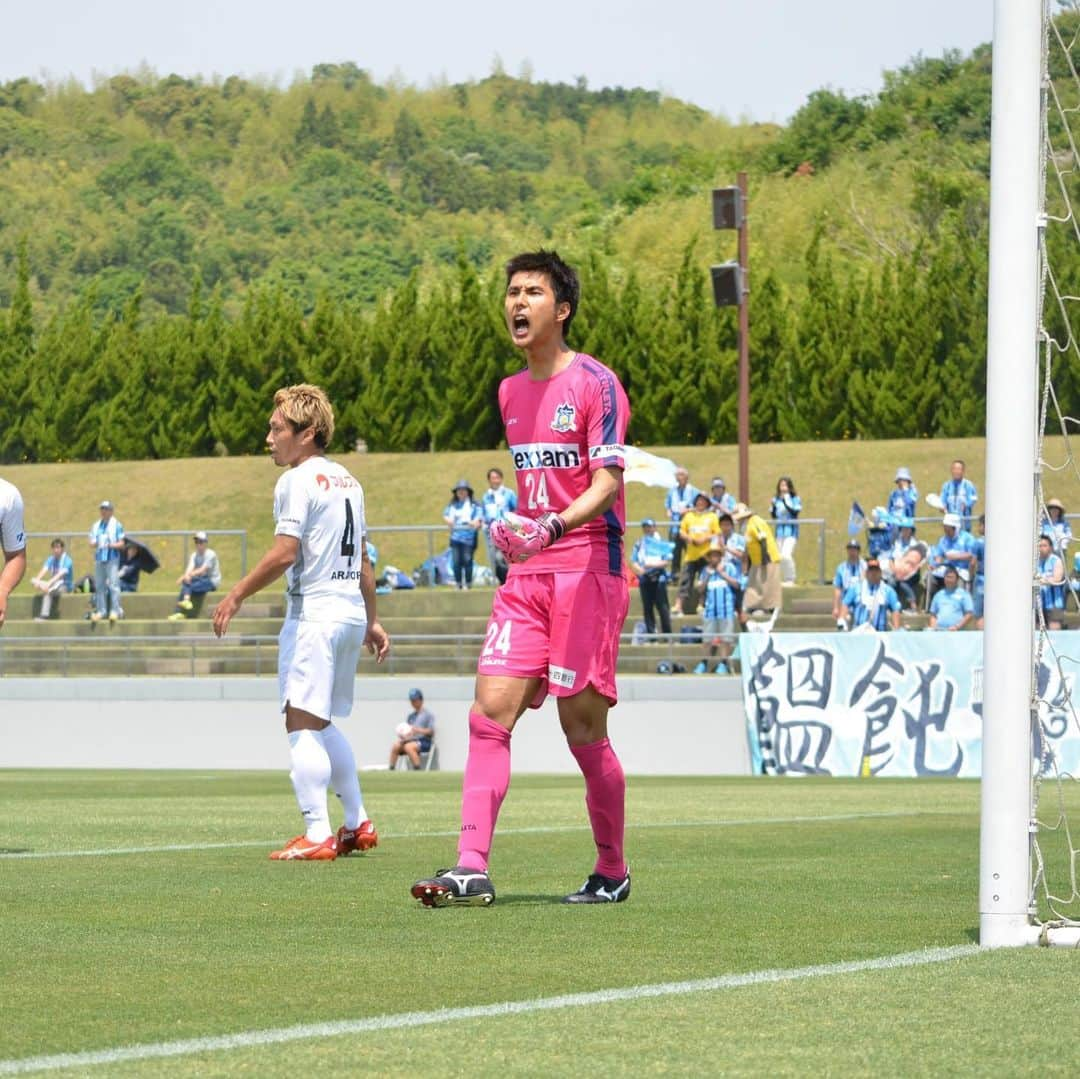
[[458, 886], [598, 889]]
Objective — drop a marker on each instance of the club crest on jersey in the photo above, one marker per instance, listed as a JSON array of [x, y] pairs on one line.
[[564, 418]]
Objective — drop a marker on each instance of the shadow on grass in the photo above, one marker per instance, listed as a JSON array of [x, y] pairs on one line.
[[16, 850]]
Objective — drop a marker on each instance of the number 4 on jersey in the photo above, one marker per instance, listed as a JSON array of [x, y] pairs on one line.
[[348, 536]]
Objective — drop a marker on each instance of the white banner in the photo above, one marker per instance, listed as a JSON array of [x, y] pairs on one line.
[[889, 704]]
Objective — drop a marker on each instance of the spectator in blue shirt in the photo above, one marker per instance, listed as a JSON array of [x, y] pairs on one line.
[[903, 499], [107, 539], [951, 608], [56, 576], [906, 557], [1050, 571], [978, 583], [651, 562], [847, 573], [956, 548], [722, 499], [870, 602], [879, 533], [679, 500], [958, 494], [498, 500], [785, 508], [1055, 525], [465, 518], [720, 584]]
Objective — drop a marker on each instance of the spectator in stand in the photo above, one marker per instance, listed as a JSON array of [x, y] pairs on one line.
[[879, 533], [761, 561], [870, 602], [785, 508], [464, 518], [498, 500], [130, 568], [202, 575], [56, 576], [415, 734], [903, 499], [951, 608], [1050, 572], [734, 554], [958, 494], [978, 584], [851, 570], [720, 583], [956, 548], [722, 500], [904, 563], [651, 562], [697, 527], [1055, 525], [106, 537], [679, 499]]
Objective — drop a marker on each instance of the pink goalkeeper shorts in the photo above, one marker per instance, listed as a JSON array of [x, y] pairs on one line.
[[561, 627]]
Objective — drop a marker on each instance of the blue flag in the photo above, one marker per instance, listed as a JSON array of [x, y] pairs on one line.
[[856, 520]]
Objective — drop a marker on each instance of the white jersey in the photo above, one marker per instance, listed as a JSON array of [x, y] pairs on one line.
[[319, 503], [12, 529]]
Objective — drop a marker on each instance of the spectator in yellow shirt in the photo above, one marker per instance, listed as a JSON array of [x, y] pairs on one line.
[[762, 561], [696, 528]]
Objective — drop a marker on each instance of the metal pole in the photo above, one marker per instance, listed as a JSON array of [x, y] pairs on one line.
[[744, 346], [1011, 373]]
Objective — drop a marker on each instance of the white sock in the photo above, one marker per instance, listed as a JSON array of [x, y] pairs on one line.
[[343, 775], [310, 777]]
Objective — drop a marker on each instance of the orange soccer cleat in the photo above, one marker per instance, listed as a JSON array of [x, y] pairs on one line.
[[363, 838], [302, 849]]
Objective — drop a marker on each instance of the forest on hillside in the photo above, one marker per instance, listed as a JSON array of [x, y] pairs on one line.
[[172, 249]]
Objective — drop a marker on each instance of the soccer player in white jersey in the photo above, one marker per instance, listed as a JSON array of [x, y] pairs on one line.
[[320, 546], [12, 543], [555, 623]]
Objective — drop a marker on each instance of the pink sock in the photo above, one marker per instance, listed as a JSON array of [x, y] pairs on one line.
[[605, 799], [487, 779]]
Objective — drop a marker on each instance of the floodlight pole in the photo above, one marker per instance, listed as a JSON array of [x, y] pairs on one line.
[[1011, 432], [744, 346]]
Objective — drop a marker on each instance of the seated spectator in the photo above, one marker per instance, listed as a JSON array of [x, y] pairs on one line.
[[203, 574], [785, 508], [1050, 571], [761, 563], [651, 562], [130, 568], [415, 735], [498, 500], [720, 584], [1056, 526], [871, 603], [879, 533], [849, 571], [951, 608], [904, 564], [56, 576], [903, 499], [697, 528], [722, 501], [464, 517], [958, 494], [956, 548]]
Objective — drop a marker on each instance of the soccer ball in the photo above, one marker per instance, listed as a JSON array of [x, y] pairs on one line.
[[403, 730]]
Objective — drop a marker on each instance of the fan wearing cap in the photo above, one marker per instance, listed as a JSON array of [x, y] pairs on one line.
[[958, 494], [720, 583], [903, 499], [850, 571], [956, 548], [870, 602], [464, 516], [723, 501], [107, 540], [761, 561], [698, 527], [202, 575], [650, 560], [1055, 525], [414, 734]]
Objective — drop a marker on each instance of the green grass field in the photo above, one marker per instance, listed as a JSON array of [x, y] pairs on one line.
[[140, 910]]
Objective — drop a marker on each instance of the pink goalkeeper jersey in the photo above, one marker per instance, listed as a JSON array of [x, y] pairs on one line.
[[560, 430]]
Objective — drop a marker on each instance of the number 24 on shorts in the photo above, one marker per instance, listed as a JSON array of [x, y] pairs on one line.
[[498, 639]]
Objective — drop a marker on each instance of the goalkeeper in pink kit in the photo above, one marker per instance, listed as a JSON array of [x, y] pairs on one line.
[[555, 624]]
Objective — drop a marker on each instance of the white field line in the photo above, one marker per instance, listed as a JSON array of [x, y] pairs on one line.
[[539, 830], [252, 1038]]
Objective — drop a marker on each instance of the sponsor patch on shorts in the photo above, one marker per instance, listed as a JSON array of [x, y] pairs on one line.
[[561, 676]]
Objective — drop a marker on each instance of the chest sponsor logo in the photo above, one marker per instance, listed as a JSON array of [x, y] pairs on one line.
[[564, 418], [562, 676], [546, 455]]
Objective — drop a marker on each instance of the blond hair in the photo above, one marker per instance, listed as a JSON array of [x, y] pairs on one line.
[[305, 406]]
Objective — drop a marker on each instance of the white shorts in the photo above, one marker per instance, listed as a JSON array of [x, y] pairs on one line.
[[317, 665]]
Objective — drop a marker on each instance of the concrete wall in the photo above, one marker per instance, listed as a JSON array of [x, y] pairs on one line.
[[235, 723]]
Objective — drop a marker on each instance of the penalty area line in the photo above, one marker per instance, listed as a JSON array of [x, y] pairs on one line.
[[255, 1038], [172, 848]]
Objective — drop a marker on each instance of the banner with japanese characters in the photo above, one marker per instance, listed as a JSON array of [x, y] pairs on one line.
[[888, 704]]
